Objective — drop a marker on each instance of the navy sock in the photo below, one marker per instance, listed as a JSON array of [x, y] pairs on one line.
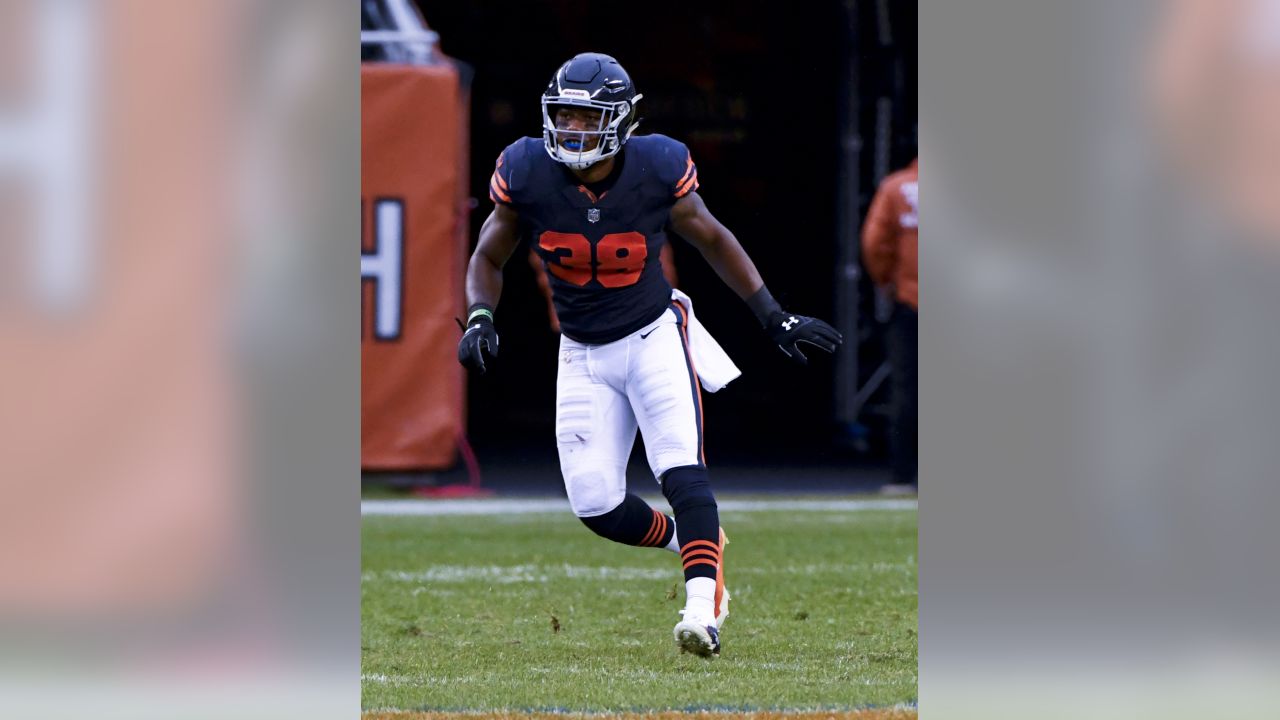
[[633, 522], [697, 519]]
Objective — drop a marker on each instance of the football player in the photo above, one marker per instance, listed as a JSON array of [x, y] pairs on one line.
[[595, 200]]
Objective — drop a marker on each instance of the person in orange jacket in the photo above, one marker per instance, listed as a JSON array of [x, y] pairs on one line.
[[890, 254]]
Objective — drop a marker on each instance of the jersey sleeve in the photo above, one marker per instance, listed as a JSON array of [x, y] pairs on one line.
[[688, 181], [510, 182], [676, 167], [500, 182]]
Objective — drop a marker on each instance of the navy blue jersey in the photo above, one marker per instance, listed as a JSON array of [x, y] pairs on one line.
[[601, 253]]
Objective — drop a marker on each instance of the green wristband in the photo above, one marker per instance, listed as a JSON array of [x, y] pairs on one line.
[[480, 311]]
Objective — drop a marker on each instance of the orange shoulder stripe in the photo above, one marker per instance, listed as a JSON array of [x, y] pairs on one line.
[[689, 186], [688, 168], [497, 193]]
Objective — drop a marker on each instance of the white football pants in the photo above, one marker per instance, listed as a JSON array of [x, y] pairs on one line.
[[604, 392]]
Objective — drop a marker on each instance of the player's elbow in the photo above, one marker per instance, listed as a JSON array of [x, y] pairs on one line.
[[485, 262], [713, 240]]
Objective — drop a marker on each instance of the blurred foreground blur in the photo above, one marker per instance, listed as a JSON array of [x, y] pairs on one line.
[[178, 186], [177, 190], [1099, 406]]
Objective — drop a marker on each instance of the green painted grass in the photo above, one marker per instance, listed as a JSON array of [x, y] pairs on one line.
[[534, 612]]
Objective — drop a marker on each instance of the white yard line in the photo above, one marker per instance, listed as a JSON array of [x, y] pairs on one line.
[[555, 505], [527, 573]]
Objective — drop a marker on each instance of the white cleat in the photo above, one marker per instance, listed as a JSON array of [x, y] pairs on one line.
[[700, 638]]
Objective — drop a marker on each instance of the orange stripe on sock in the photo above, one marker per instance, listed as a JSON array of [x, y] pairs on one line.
[[658, 531], [686, 554], [705, 554], [709, 550], [653, 530], [693, 543], [662, 528], [713, 559], [699, 561]]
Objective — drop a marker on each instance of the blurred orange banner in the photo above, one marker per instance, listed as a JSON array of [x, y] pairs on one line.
[[413, 250]]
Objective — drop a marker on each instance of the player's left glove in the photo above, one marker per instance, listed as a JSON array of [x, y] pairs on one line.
[[788, 330]]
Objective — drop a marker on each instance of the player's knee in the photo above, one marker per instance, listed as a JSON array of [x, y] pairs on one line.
[[687, 487], [591, 494], [666, 458], [605, 525]]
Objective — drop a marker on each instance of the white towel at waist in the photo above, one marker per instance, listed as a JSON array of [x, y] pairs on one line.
[[712, 363]]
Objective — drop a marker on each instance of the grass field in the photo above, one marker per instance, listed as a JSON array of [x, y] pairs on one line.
[[531, 612]]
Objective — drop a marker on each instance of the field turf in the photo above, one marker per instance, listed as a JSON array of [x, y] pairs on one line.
[[531, 612]]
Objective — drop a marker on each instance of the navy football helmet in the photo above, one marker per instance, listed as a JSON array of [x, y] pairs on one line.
[[597, 82]]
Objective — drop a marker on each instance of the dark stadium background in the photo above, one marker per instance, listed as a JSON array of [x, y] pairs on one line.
[[759, 91]]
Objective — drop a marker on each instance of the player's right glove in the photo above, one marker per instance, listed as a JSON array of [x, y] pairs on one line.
[[480, 338]]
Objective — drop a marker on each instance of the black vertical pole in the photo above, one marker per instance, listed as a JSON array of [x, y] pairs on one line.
[[848, 190]]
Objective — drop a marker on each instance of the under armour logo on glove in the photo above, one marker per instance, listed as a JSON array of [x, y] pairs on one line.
[[788, 331]]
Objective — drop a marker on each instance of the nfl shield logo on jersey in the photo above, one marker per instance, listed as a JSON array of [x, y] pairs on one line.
[[593, 215]]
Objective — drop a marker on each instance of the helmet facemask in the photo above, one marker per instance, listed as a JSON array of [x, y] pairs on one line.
[[617, 122]]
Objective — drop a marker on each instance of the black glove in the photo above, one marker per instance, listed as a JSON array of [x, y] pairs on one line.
[[789, 330], [480, 338]]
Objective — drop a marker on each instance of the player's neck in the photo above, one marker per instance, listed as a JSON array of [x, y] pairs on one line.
[[595, 173]]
